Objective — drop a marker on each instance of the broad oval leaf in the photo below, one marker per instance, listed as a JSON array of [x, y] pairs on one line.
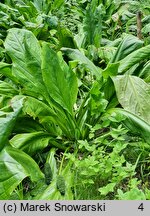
[[25, 52], [6, 70], [7, 121], [16, 165], [134, 58], [135, 124], [129, 44], [31, 143], [56, 79], [7, 89], [46, 116], [134, 95], [27, 125], [145, 73]]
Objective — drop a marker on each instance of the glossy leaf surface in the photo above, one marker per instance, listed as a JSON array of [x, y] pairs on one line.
[[15, 166]]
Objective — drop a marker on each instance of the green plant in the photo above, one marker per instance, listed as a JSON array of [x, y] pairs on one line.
[[74, 101], [102, 167]]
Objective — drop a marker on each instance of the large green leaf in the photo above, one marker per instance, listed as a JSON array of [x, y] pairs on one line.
[[50, 119], [27, 125], [24, 50], [134, 58], [46, 116], [135, 124], [7, 121], [6, 70], [16, 165], [31, 143], [145, 73], [71, 78], [37, 108], [77, 55], [111, 70], [22, 46], [7, 89], [134, 95], [57, 80], [129, 44]]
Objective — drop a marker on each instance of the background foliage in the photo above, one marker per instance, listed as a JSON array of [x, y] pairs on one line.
[[74, 99]]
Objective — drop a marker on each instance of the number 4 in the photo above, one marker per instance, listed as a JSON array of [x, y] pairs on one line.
[[141, 207]]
